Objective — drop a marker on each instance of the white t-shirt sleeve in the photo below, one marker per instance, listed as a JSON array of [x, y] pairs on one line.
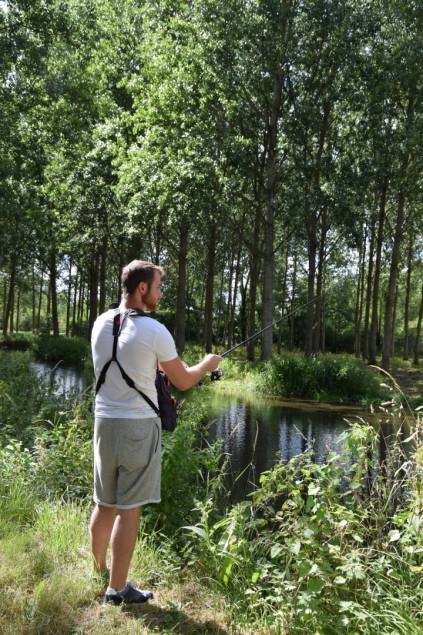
[[165, 346]]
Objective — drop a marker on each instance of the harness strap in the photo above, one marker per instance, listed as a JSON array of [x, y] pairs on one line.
[[118, 322], [131, 384]]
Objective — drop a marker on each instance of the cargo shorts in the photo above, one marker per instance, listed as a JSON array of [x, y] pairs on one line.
[[127, 462]]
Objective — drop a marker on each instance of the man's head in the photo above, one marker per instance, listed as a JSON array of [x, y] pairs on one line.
[[141, 283]]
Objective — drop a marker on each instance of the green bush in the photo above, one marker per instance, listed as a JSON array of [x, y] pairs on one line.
[[26, 401], [70, 351], [326, 377], [314, 553], [16, 342]]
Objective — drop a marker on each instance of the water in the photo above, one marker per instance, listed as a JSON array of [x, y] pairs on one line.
[[255, 435], [61, 379]]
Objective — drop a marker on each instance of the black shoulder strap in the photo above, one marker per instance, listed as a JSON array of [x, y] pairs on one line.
[[118, 322]]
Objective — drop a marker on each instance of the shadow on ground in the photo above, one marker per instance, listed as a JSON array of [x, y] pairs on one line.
[[172, 618]]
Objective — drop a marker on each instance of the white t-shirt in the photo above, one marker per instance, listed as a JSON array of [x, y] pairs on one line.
[[142, 343]]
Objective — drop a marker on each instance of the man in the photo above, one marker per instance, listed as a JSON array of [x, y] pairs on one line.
[[127, 435]]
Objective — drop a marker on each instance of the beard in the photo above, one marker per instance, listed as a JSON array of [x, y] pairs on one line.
[[149, 302]]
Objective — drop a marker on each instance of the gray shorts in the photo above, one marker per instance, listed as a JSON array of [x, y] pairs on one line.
[[127, 462]]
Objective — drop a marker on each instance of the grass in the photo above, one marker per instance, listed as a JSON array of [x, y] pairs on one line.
[[335, 379], [334, 548]]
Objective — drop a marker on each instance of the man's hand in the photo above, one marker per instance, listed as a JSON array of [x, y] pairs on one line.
[[184, 377], [212, 361]]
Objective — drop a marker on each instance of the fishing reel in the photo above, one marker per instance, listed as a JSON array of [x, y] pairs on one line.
[[216, 374]]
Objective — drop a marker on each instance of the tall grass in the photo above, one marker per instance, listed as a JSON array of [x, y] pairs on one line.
[[333, 548], [331, 378]]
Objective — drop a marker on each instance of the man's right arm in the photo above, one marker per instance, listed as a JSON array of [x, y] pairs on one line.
[[183, 377]]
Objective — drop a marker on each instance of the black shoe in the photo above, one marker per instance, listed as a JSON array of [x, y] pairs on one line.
[[130, 595]]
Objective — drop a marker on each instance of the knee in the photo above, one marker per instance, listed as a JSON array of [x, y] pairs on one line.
[[102, 514], [129, 515]]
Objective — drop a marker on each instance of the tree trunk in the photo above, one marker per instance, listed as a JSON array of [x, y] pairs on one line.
[[93, 291], [53, 287], [103, 262], [369, 291], [235, 293], [359, 295], [208, 309], [9, 302], [4, 302], [418, 331], [229, 302], [68, 298], [80, 299], [243, 307], [292, 319], [254, 274], [318, 315], [33, 294], [311, 275], [396, 249], [393, 274], [394, 321], [18, 309], [407, 296], [40, 300], [312, 230], [75, 291], [220, 310], [12, 311], [181, 293], [271, 171], [376, 281], [48, 309], [283, 295]]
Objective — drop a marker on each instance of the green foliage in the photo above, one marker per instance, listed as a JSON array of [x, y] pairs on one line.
[[191, 470], [321, 548], [16, 342], [72, 351], [332, 378], [329, 548], [16, 493], [25, 400]]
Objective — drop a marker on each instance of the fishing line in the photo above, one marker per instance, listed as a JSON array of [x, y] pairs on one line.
[[217, 374], [287, 315]]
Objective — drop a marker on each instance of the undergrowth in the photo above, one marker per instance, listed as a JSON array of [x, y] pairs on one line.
[[317, 548], [330, 378]]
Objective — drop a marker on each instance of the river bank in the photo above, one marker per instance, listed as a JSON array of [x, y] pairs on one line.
[[302, 554]]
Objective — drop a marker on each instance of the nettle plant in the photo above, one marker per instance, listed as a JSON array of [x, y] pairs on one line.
[[317, 542]]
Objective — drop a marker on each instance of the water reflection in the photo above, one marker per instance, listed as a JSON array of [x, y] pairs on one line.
[[61, 379], [256, 436]]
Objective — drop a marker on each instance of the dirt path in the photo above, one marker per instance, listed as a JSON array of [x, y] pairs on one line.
[[410, 381]]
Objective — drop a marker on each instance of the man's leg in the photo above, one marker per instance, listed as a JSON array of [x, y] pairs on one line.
[[124, 537], [101, 525]]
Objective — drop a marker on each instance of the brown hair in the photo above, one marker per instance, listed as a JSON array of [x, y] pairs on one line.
[[138, 271]]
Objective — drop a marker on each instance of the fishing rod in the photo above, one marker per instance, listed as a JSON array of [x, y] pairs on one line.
[[217, 374]]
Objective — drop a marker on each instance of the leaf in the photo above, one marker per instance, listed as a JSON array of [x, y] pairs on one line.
[[295, 547], [339, 579], [315, 585], [304, 568], [394, 535], [255, 576], [275, 551], [196, 530], [313, 490]]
